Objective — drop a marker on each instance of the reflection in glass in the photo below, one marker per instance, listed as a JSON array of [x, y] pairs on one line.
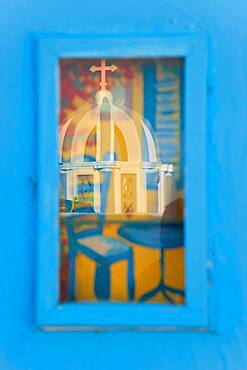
[[121, 181]]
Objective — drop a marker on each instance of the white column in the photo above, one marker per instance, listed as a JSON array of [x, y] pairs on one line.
[[143, 191], [161, 193], [169, 188], [73, 186], [167, 191], [117, 190], [138, 189], [70, 184]]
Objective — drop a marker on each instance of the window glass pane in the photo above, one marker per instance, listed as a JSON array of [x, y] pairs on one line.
[[121, 180]]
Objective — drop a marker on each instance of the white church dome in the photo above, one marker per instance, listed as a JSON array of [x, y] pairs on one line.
[[81, 135]]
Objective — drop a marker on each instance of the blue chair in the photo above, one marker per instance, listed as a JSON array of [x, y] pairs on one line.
[[85, 236]]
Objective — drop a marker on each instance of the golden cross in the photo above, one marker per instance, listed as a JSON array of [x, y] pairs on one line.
[[103, 69]]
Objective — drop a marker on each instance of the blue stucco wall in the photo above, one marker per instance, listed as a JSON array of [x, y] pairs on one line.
[[22, 345]]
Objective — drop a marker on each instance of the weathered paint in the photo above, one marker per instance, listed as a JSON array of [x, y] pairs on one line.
[[23, 346]]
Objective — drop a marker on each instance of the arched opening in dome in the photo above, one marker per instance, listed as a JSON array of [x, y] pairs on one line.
[[121, 153], [120, 150], [90, 147], [66, 145]]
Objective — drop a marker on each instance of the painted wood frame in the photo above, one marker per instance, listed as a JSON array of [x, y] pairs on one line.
[[109, 316]]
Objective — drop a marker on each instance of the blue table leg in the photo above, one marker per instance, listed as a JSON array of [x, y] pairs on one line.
[[162, 287], [131, 281]]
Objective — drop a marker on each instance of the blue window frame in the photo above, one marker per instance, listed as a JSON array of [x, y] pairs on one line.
[[194, 314]]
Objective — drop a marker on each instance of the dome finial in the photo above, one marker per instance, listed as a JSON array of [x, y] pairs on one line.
[[103, 69]]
